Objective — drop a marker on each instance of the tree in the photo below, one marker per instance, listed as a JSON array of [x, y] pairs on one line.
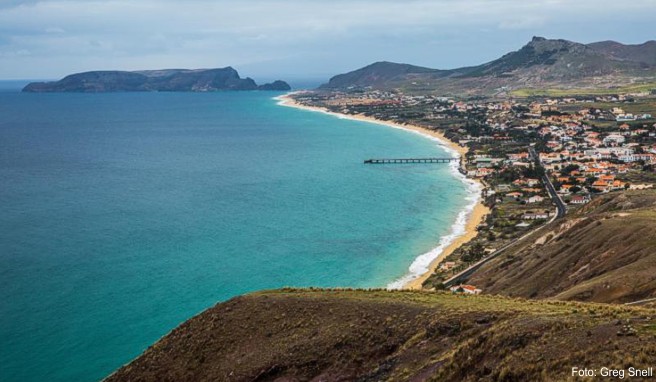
[[533, 171], [490, 236], [474, 253], [569, 168]]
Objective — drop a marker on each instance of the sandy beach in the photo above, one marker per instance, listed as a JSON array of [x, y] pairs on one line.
[[474, 217]]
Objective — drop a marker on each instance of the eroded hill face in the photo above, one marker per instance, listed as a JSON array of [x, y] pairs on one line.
[[319, 335], [606, 252]]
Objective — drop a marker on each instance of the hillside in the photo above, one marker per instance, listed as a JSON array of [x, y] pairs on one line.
[[173, 80], [541, 63], [323, 335], [605, 252]]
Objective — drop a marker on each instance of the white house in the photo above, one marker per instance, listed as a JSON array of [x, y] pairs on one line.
[[614, 139], [469, 289], [535, 199], [579, 200]]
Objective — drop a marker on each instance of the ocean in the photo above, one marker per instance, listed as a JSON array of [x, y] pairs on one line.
[[124, 214]]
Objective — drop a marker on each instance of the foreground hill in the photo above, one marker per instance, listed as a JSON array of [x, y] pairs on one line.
[[173, 80], [323, 335], [605, 252], [542, 63]]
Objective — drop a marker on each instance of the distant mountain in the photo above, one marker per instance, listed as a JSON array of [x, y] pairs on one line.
[[378, 74], [557, 59], [642, 53], [540, 63], [275, 85], [171, 80]]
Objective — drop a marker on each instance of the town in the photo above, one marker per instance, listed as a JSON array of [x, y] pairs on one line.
[[582, 145]]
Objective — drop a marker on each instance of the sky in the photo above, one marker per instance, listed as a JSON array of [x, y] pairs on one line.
[[294, 39]]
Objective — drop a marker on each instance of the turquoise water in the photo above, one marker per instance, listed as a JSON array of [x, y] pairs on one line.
[[125, 214]]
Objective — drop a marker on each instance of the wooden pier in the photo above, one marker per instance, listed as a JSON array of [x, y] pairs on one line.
[[410, 160]]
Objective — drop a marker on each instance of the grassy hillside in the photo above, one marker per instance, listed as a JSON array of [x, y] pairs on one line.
[[605, 252], [327, 335]]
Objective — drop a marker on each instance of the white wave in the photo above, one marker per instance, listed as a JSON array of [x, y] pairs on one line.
[[421, 264]]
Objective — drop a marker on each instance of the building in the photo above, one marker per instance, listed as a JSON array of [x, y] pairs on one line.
[[536, 216], [535, 199], [625, 117], [579, 200], [462, 288], [447, 265], [614, 139]]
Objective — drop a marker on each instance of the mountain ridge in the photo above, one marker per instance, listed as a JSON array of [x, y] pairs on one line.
[[539, 63], [378, 72], [645, 52]]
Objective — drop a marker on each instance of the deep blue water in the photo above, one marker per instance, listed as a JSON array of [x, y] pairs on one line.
[[124, 214]]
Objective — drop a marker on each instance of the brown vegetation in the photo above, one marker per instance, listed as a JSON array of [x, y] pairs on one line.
[[328, 335], [605, 252]]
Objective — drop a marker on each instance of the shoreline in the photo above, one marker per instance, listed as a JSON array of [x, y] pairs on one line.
[[463, 229]]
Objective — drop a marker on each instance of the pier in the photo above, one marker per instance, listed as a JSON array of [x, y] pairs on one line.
[[410, 160]]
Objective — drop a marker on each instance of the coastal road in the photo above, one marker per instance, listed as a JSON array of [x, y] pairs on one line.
[[561, 210], [560, 205], [461, 277]]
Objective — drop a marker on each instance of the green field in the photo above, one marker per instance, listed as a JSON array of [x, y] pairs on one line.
[[583, 91]]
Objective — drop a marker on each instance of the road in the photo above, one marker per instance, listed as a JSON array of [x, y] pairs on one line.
[[560, 205], [561, 210]]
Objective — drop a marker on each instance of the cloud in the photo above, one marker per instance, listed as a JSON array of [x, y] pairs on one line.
[[296, 33], [527, 22]]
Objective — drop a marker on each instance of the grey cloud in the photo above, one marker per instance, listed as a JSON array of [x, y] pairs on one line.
[[292, 36]]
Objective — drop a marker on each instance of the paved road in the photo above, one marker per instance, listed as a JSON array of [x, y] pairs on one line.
[[561, 210]]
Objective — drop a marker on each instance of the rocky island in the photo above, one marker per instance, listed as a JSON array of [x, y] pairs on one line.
[[166, 80]]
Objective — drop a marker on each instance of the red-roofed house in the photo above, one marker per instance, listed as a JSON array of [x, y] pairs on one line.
[[470, 289]]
